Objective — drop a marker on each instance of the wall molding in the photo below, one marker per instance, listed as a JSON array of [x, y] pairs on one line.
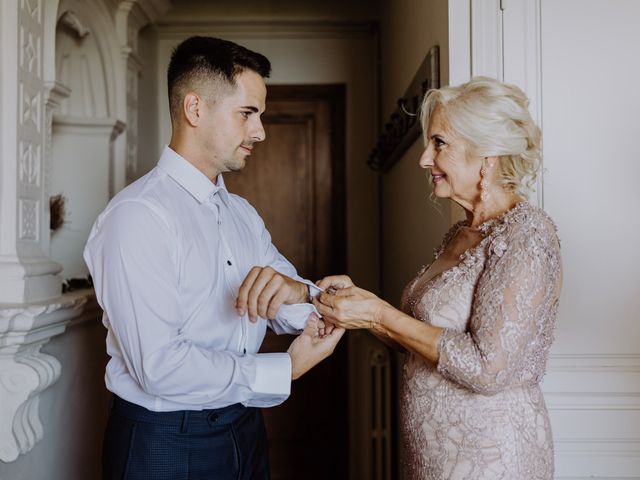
[[25, 371], [506, 44], [594, 404], [486, 39], [593, 382], [275, 29]]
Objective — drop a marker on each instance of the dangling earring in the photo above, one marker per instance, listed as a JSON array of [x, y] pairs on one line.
[[484, 194]]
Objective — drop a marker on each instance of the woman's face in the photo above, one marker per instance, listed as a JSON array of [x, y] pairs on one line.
[[455, 173]]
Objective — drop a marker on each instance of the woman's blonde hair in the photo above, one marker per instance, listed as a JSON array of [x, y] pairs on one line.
[[493, 119]]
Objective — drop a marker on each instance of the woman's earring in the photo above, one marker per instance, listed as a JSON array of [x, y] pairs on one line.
[[484, 194]]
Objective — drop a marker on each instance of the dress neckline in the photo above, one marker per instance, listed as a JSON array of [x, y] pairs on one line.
[[469, 257], [488, 225]]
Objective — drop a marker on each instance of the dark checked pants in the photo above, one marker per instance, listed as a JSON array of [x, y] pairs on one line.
[[226, 443]]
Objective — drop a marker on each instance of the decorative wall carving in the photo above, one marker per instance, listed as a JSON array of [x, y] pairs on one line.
[[79, 66], [32, 8], [29, 53], [74, 25], [30, 161], [30, 123], [30, 107], [29, 281], [25, 371], [28, 219]]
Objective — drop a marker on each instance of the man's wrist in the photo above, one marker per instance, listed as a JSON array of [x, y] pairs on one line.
[[305, 293], [294, 372], [301, 294]]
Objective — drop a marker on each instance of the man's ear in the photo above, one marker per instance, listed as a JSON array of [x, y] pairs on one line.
[[191, 107]]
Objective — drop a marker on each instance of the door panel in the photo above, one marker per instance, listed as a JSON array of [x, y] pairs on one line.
[[295, 180]]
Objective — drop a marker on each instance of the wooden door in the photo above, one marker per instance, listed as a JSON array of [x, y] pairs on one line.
[[295, 180]]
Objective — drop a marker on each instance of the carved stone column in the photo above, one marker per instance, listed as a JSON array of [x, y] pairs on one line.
[[32, 309], [27, 274], [131, 16]]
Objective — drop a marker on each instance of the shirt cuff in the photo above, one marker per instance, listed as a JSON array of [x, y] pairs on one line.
[[272, 383], [294, 317], [313, 290]]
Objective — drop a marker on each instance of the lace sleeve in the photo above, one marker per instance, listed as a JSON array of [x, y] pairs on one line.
[[511, 327]]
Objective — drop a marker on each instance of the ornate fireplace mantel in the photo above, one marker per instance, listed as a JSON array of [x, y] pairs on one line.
[[25, 371]]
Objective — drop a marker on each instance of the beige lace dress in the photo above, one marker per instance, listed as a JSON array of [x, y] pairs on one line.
[[479, 414]]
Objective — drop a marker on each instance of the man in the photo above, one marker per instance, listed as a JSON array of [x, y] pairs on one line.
[[183, 270]]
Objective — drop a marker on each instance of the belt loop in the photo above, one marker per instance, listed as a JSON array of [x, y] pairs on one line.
[[185, 422]]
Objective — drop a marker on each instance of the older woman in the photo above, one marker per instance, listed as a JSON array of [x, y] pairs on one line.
[[478, 321]]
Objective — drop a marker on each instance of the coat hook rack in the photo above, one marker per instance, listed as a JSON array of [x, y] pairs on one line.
[[403, 127]]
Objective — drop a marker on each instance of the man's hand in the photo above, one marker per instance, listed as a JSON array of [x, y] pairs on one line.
[[264, 290], [310, 348]]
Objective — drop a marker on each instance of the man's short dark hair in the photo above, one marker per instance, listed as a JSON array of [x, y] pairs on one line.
[[203, 60]]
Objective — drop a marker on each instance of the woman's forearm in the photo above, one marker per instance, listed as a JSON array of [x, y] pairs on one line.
[[388, 341], [412, 334]]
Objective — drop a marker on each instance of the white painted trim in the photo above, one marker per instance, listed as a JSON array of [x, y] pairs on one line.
[[506, 44], [522, 66], [591, 361], [594, 403], [486, 39], [459, 41]]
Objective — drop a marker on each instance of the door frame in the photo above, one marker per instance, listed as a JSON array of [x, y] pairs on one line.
[[335, 96]]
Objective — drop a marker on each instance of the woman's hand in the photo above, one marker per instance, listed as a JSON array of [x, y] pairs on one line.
[[350, 307], [335, 282], [330, 284]]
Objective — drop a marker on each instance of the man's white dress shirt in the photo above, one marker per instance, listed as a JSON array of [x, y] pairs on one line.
[[167, 257]]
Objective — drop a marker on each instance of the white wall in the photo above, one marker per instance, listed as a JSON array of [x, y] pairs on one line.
[[81, 173], [578, 62], [590, 74], [590, 100]]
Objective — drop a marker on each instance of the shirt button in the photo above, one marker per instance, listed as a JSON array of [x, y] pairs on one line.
[[228, 262]]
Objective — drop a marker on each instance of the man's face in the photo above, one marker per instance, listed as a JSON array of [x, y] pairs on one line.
[[232, 123]]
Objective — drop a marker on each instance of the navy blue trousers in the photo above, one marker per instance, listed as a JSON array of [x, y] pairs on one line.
[[226, 443]]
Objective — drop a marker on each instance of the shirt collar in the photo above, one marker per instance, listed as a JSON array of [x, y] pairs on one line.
[[190, 178]]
